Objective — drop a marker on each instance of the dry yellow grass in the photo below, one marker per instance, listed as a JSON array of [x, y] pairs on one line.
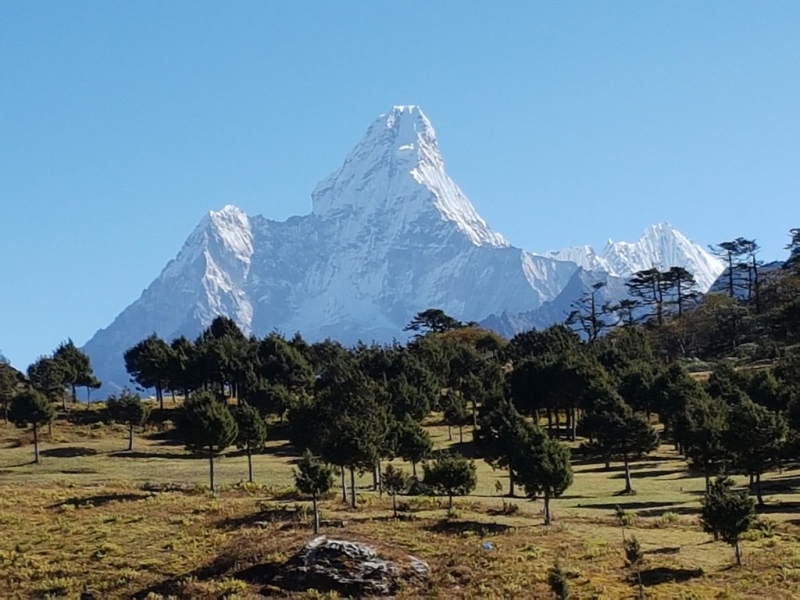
[[81, 519]]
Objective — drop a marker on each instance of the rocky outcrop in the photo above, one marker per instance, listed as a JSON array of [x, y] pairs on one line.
[[350, 568]]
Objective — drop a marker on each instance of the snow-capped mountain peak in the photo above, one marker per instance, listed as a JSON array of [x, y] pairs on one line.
[[661, 247], [396, 169]]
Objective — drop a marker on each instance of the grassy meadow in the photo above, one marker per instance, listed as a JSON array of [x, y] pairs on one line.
[[93, 517]]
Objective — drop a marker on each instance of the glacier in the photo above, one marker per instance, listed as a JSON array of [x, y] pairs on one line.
[[389, 235]]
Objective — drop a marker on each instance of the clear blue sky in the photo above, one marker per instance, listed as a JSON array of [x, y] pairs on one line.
[[122, 123]]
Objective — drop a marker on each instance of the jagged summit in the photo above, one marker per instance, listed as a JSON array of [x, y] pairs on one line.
[[396, 170], [661, 246]]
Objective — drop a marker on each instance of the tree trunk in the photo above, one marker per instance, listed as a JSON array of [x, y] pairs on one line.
[[759, 494], [738, 552], [374, 479], [511, 483], [353, 497], [130, 437], [394, 504], [414, 469], [450, 505], [316, 513], [549, 421], [628, 482], [474, 414], [460, 434], [173, 396], [344, 488], [708, 480], [211, 466], [449, 433], [558, 423], [548, 518], [574, 433], [63, 401], [74, 394], [250, 465], [160, 398], [36, 443]]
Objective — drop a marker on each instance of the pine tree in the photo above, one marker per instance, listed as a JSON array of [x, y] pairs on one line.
[[543, 468], [47, 376], [252, 433], [76, 368], [502, 432], [433, 320], [620, 432], [727, 513], [451, 475], [589, 316], [634, 557], [314, 478], [130, 410], [8, 386], [31, 407], [149, 363], [396, 482], [755, 438], [413, 442], [558, 580], [206, 425], [705, 430]]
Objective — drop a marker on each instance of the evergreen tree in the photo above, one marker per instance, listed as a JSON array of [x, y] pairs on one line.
[[620, 432], [395, 481], [31, 408], [432, 320], [252, 433], [543, 468], [148, 364], [705, 429], [451, 475], [413, 442], [754, 438], [314, 478], [647, 287], [8, 386], [727, 513], [130, 410], [589, 316], [76, 368], [503, 431], [182, 366], [456, 413], [558, 580], [634, 557], [206, 425], [46, 376], [680, 288]]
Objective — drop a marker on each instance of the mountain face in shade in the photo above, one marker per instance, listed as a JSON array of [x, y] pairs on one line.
[[389, 235]]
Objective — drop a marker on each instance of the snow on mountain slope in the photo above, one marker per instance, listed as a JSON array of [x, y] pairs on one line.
[[389, 235], [397, 168]]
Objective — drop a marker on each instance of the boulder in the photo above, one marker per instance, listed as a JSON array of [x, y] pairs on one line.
[[349, 568]]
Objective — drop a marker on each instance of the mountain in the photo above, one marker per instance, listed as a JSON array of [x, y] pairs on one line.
[[660, 247], [389, 235]]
